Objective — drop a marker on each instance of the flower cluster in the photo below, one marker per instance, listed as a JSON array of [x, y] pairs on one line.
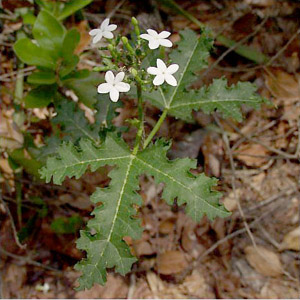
[[114, 85]]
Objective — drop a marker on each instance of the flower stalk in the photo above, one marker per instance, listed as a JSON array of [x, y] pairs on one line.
[[141, 119]]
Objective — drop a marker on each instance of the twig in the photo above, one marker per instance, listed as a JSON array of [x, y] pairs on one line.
[[283, 48], [255, 133], [28, 69], [233, 178], [233, 47], [113, 11], [12, 224], [271, 199], [269, 238], [235, 233], [271, 149], [29, 261], [132, 286], [297, 154]]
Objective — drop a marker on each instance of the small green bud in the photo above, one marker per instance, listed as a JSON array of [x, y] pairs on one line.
[[112, 51], [110, 47], [136, 76], [127, 45], [135, 24], [124, 40], [134, 122], [134, 21], [133, 72]]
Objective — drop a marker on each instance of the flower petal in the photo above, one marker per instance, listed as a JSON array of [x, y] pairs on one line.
[[165, 43], [111, 27], [161, 65], [159, 79], [95, 31], [153, 71], [122, 87], [164, 34], [172, 69], [108, 34], [104, 88], [146, 36], [97, 38], [110, 77], [104, 24], [170, 79], [152, 32], [114, 94], [119, 77], [153, 44]]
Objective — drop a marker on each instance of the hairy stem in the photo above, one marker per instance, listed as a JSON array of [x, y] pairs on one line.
[[141, 118], [155, 128]]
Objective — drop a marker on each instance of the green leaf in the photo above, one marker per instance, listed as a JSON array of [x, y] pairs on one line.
[[40, 96], [68, 65], [85, 88], [32, 54], [49, 33], [70, 42], [63, 225], [114, 218], [46, 4], [31, 165], [222, 98], [42, 77], [191, 55], [29, 18], [71, 7], [73, 122]]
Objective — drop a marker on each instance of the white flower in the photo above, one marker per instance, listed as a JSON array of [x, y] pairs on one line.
[[163, 73], [104, 30], [113, 85], [156, 39]]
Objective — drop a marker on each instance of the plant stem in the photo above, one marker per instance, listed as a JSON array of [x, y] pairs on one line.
[[155, 128], [141, 118]]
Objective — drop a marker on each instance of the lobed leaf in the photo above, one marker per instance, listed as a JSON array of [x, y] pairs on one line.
[[191, 55], [114, 218], [219, 97], [72, 121]]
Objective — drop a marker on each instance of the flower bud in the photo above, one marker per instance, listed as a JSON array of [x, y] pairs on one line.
[[134, 21], [127, 45], [112, 51], [135, 24], [133, 71]]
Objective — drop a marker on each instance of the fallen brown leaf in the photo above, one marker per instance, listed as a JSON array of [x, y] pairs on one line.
[[142, 248], [171, 262], [291, 240], [84, 37], [252, 155], [264, 261], [275, 289]]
